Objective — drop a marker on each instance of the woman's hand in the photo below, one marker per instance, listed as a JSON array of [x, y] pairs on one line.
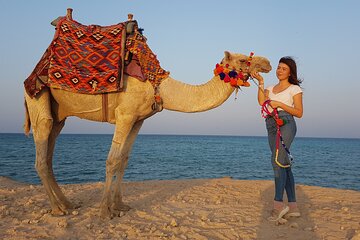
[[257, 76]]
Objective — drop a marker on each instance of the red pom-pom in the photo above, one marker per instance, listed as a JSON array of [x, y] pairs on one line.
[[233, 82], [227, 78], [279, 122], [219, 69]]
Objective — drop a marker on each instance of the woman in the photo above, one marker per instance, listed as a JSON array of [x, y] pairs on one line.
[[286, 97]]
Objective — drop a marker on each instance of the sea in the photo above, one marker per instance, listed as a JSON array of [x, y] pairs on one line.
[[81, 158]]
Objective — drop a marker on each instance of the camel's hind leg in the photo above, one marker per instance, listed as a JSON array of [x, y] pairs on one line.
[[117, 200], [45, 132], [63, 203]]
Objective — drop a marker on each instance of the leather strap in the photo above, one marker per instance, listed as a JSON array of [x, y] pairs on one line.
[[122, 61], [105, 110]]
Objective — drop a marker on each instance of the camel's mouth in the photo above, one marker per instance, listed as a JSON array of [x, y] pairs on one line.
[[266, 70], [246, 77]]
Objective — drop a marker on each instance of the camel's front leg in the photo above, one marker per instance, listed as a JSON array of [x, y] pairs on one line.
[[124, 125], [118, 204]]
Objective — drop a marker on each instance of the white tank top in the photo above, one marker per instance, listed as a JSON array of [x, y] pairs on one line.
[[286, 96]]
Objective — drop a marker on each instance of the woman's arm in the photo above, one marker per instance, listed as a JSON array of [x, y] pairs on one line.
[[262, 93], [296, 111]]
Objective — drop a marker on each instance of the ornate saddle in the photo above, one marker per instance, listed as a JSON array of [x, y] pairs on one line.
[[92, 59]]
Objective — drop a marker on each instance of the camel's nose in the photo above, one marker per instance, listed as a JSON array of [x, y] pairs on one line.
[[267, 68]]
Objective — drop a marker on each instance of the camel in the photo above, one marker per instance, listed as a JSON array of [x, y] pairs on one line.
[[47, 112]]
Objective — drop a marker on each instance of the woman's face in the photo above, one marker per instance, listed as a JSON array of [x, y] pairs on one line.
[[283, 72]]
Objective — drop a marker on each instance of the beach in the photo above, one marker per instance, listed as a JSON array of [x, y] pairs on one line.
[[221, 208]]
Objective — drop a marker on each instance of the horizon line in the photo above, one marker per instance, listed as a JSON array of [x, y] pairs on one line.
[[175, 134]]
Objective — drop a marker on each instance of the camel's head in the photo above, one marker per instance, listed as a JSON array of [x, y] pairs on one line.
[[241, 63], [236, 68]]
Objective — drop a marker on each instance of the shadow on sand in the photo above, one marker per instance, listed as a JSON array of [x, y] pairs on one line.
[[295, 228]]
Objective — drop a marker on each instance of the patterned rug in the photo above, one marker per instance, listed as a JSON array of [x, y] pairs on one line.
[[88, 59]]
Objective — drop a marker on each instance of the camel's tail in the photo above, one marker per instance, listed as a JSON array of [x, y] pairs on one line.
[[27, 122]]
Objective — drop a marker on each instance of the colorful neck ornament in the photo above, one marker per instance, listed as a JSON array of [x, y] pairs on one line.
[[236, 78]]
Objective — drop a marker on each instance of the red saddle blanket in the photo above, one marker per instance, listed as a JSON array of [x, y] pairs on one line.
[[88, 59]]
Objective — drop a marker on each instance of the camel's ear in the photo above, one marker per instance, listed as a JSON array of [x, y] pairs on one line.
[[227, 55]]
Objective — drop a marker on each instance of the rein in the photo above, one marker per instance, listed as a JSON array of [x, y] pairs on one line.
[[279, 122]]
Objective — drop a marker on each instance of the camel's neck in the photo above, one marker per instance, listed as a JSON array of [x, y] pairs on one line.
[[178, 96]]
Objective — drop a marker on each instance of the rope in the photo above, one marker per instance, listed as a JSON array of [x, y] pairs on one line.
[[279, 122]]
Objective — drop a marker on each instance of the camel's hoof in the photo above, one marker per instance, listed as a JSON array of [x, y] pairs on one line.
[[122, 207], [76, 206], [61, 209], [105, 213], [58, 212], [118, 213]]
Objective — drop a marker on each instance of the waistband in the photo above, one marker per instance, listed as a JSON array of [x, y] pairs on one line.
[[282, 114]]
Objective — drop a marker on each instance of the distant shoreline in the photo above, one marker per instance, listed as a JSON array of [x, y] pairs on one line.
[[194, 135]]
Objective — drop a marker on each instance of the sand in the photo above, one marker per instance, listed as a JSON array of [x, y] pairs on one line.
[[179, 209]]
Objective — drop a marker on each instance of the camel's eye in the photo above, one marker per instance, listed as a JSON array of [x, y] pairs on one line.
[[242, 60]]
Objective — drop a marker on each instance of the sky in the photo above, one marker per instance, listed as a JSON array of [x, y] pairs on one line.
[[189, 38]]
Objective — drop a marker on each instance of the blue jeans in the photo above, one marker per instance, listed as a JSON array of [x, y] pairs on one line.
[[284, 179]]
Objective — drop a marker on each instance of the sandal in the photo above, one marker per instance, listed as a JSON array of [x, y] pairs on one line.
[[278, 214], [293, 213]]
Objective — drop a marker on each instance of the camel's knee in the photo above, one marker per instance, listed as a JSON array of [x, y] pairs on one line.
[[41, 133], [41, 167], [111, 165], [117, 164]]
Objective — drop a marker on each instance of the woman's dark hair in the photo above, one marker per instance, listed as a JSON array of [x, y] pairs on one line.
[[290, 62]]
